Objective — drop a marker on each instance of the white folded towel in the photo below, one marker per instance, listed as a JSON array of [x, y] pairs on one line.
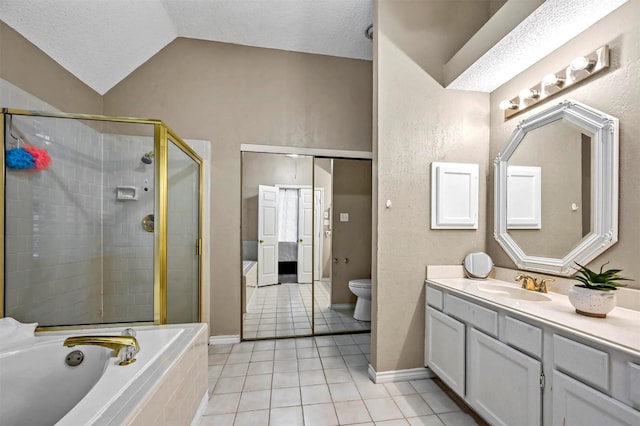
[[12, 331]]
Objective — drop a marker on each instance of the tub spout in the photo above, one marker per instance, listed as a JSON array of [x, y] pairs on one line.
[[124, 347]]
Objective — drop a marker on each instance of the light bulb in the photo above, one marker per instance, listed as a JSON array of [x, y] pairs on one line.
[[552, 80], [506, 104], [529, 94], [581, 63]]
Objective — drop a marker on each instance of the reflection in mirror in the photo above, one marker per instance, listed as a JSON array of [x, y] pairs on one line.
[[556, 188], [555, 159], [346, 245], [277, 246], [477, 265]]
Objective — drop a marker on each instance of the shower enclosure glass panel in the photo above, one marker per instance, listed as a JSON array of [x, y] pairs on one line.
[[183, 230], [75, 252]]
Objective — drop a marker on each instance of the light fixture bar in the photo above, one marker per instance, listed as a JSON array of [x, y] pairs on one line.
[[579, 69]]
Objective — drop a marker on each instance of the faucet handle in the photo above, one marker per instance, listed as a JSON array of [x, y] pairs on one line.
[[127, 355], [542, 287], [129, 332]]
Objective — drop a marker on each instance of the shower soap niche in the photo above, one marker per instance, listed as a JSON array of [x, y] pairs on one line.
[[127, 193]]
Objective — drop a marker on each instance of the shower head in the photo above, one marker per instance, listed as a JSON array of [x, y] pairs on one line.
[[147, 157]]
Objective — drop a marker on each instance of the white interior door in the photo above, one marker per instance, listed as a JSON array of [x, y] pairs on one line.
[[305, 236], [267, 235]]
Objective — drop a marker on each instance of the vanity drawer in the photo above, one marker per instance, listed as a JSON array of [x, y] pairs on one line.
[[434, 298], [523, 336], [634, 384], [481, 318], [581, 361]]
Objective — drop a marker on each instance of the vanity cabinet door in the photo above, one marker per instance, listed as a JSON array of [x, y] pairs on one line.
[[445, 349], [503, 384], [576, 404]]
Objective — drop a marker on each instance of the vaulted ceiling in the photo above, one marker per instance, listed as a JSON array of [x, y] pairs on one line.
[[103, 41]]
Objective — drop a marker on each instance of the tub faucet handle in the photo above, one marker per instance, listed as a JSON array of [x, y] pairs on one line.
[[127, 355], [129, 332]]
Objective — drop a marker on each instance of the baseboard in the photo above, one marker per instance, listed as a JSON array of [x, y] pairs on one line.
[[197, 418], [224, 340], [342, 305], [400, 375]]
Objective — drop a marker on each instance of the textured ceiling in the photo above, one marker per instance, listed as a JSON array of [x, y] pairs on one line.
[[103, 41], [550, 26]]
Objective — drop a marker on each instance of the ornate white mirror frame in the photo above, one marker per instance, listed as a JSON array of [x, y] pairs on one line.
[[604, 183]]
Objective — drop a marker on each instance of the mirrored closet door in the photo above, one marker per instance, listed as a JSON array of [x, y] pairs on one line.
[[292, 284]]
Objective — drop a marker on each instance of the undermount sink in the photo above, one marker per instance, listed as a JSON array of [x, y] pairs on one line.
[[513, 292]]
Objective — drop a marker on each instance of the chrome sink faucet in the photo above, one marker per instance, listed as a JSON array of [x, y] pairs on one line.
[[531, 283]]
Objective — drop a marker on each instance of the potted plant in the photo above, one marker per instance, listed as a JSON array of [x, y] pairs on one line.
[[595, 296]]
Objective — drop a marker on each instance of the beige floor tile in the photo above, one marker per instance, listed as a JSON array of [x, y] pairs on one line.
[[285, 397], [239, 357], [412, 405], [319, 415], [254, 400], [285, 365], [215, 370], [218, 420], [312, 377], [331, 362], [344, 340], [223, 404], [383, 409], [280, 354], [257, 356], [307, 364], [243, 347], [257, 382], [264, 345], [284, 380], [220, 349], [289, 416], [457, 418], [344, 392], [326, 351], [262, 367], [432, 420], [217, 359], [399, 388], [440, 402], [337, 375], [355, 360], [360, 373], [315, 394], [229, 385], [370, 390], [395, 422], [252, 418], [351, 412], [234, 370], [425, 386]]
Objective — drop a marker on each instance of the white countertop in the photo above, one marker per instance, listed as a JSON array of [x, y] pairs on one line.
[[621, 327]]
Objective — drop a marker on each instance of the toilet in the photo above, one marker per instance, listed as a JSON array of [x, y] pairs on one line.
[[362, 288]]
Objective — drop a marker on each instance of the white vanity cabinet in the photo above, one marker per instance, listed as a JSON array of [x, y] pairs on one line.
[[503, 384], [513, 368]]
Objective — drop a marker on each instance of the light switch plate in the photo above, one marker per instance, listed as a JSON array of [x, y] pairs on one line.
[[344, 217]]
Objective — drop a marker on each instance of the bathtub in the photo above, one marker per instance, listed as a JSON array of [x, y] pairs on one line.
[[38, 388]]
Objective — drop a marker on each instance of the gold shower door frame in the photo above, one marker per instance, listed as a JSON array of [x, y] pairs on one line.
[[163, 135]]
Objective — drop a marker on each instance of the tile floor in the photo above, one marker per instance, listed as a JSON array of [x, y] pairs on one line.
[[317, 381], [285, 310]]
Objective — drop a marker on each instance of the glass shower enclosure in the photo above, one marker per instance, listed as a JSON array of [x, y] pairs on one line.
[[102, 221]]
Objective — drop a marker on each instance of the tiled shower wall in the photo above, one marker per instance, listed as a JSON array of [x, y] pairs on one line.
[[128, 248], [53, 232]]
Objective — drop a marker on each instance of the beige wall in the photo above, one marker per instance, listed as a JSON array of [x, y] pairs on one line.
[[27, 67], [418, 122], [231, 95], [615, 92], [352, 239]]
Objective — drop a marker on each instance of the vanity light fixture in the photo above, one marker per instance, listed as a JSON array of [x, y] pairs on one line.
[[507, 104], [529, 94], [581, 63], [552, 79], [579, 69]]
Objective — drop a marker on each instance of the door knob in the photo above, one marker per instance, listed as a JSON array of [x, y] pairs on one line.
[[346, 260], [335, 260], [300, 239], [261, 241]]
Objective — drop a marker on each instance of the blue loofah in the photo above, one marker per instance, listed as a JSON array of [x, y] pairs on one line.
[[19, 158]]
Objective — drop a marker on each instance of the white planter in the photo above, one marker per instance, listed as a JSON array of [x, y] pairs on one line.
[[592, 303]]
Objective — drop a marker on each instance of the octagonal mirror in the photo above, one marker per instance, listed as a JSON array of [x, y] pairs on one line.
[[556, 189]]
